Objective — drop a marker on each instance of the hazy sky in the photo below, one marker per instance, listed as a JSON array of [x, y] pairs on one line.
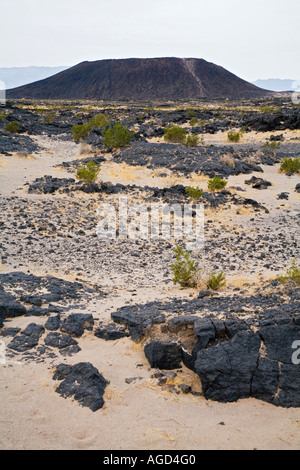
[[253, 38]]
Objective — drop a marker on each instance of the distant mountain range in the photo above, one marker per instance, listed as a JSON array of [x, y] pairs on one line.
[[167, 78], [18, 76], [275, 84]]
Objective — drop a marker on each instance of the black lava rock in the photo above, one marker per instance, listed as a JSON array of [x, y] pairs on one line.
[[64, 343], [83, 382], [138, 318], [226, 370], [53, 323], [76, 323], [28, 338], [163, 355], [110, 332]]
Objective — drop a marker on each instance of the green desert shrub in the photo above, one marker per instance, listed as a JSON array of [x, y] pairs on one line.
[[194, 193], [13, 127], [216, 184], [184, 269], [89, 172], [292, 275], [194, 121], [191, 112], [234, 136], [216, 281], [117, 136], [79, 131], [3, 115], [50, 117], [290, 165], [175, 134], [270, 109], [192, 140], [268, 146], [273, 145], [99, 120]]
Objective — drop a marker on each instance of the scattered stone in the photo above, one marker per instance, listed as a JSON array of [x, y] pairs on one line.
[[76, 323], [283, 196], [258, 183], [63, 342], [206, 293], [129, 380], [163, 355], [9, 307], [28, 338], [83, 382], [52, 323], [138, 319], [110, 332], [185, 388], [10, 331]]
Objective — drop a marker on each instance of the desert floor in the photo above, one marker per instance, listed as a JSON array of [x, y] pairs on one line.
[[139, 414]]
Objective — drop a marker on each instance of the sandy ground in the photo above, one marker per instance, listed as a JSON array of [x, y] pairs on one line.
[[139, 415]]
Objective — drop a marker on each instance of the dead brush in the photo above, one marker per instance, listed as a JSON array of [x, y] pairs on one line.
[[85, 149], [228, 160]]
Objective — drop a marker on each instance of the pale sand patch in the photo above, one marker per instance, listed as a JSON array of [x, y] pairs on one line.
[[140, 415], [142, 176], [21, 168]]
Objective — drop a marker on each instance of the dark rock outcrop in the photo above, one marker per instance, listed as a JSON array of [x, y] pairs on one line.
[[76, 323], [64, 343], [27, 339], [110, 332], [83, 382], [226, 370], [164, 355], [229, 360], [138, 319]]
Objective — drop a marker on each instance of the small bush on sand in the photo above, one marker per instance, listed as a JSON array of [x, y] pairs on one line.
[[192, 140], [292, 275], [290, 165], [234, 136], [117, 136], [175, 134], [184, 269], [270, 146], [50, 117], [194, 193], [194, 121], [99, 120], [216, 184], [216, 281], [13, 127], [79, 131], [89, 172]]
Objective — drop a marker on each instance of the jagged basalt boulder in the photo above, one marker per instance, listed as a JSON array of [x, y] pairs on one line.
[[226, 370], [110, 332], [52, 323], [76, 323], [9, 306], [64, 343], [258, 183], [138, 319], [83, 382], [164, 355], [231, 365], [27, 339]]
